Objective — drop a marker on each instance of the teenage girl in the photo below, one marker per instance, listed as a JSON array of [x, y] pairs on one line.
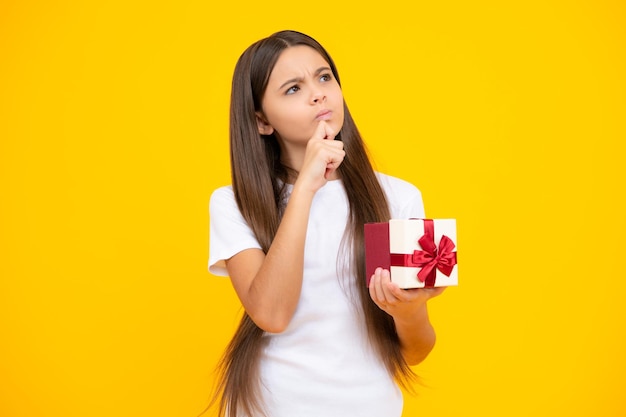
[[314, 339]]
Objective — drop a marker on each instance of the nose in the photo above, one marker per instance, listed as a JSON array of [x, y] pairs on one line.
[[318, 97]]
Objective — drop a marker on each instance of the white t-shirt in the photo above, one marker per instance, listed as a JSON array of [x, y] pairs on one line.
[[322, 364]]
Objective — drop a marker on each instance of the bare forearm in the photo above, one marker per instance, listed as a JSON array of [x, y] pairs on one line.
[[275, 290], [409, 312], [417, 336]]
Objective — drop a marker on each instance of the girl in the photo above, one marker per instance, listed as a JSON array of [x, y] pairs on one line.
[[314, 339]]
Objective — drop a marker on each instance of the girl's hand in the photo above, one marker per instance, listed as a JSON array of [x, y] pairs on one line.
[[402, 305], [322, 158]]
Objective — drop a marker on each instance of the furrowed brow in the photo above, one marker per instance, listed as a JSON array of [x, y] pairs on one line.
[[321, 70], [286, 83], [298, 79]]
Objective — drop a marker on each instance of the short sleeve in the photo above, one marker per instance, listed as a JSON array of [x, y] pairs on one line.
[[229, 233], [405, 199]]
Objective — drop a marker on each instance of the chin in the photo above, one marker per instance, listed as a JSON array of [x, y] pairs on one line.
[[337, 128]]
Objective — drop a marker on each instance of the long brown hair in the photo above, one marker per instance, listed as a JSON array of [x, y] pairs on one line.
[[258, 180]]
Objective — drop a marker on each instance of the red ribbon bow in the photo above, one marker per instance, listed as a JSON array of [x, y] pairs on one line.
[[431, 258]]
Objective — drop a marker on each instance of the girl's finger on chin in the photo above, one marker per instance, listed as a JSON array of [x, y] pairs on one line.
[[329, 133], [320, 131]]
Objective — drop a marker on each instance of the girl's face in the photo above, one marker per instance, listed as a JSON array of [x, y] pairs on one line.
[[301, 92]]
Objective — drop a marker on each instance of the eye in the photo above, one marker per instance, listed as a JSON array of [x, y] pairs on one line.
[[326, 77], [292, 89]]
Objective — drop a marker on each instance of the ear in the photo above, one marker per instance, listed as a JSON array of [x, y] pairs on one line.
[[264, 127]]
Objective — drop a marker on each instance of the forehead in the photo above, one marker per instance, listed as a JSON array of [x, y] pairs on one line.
[[297, 61]]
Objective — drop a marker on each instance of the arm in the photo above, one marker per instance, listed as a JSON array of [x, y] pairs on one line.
[[410, 314], [269, 285]]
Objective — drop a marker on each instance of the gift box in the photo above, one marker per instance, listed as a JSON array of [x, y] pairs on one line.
[[419, 253]]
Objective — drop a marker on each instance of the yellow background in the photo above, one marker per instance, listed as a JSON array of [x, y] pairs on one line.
[[509, 116]]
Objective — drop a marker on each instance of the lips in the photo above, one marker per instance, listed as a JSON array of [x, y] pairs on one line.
[[324, 115]]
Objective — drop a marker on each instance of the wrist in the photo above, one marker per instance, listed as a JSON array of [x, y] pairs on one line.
[[412, 317], [302, 190]]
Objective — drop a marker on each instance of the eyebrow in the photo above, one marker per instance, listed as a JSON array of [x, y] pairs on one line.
[[299, 79]]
